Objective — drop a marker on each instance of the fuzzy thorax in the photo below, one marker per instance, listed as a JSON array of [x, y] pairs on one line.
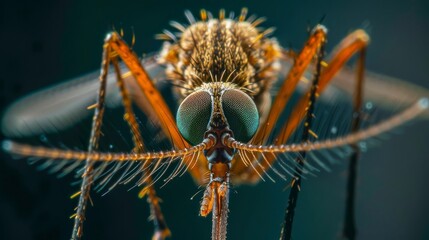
[[222, 51]]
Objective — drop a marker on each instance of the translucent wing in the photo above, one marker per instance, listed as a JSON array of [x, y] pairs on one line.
[[62, 105]]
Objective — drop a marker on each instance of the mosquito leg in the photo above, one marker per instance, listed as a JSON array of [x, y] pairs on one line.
[[155, 100], [352, 44], [303, 60], [289, 85], [286, 232], [355, 42], [87, 177], [161, 229]]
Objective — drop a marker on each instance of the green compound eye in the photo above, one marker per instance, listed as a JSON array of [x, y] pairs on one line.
[[241, 113], [193, 116]]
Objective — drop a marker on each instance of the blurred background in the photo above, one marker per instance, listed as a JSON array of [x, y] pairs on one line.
[[45, 42]]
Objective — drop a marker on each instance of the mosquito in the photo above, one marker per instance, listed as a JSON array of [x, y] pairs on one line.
[[229, 127]]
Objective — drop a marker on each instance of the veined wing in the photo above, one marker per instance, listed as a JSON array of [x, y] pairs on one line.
[[63, 105]]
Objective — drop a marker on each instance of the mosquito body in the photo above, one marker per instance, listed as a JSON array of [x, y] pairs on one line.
[[223, 71], [226, 68]]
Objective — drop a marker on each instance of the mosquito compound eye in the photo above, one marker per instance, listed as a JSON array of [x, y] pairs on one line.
[[241, 113], [193, 116]]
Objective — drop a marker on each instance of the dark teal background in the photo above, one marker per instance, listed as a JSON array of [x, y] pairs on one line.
[[44, 42]]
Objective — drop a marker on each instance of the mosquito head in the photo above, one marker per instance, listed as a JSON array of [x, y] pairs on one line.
[[218, 112]]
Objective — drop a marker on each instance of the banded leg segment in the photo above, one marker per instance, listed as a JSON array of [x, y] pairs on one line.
[[161, 230], [352, 44]]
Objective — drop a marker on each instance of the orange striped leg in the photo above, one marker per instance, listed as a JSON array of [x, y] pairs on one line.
[[290, 83], [157, 103], [355, 42]]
